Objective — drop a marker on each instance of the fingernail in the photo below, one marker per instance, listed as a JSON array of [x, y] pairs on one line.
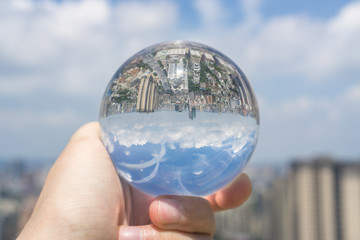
[[170, 211], [130, 233]]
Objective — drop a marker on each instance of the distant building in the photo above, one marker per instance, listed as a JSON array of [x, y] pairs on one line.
[[192, 113], [8, 218], [180, 69], [195, 54], [176, 51], [172, 70], [318, 200], [244, 92], [312, 200], [148, 97], [239, 224], [178, 107], [248, 222]]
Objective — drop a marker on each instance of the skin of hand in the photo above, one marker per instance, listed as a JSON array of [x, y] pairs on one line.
[[84, 198]]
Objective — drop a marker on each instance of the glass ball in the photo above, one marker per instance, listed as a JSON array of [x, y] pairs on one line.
[[179, 118]]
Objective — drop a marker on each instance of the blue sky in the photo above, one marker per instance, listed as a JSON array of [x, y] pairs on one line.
[[301, 57]]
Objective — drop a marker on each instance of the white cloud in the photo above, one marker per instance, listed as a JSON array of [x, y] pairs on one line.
[[72, 20], [22, 5], [14, 86], [350, 101], [66, 117], [335, 49], [42, 35], [80, 41], [73, 44], [348, 20], [58, 118], [295, 46], [210, 12], [285, 41], [145, 17], [208, 130], [251, 10], [310, 125], [352, 96]]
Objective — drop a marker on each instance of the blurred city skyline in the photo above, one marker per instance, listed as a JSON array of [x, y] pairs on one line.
[[301, 57]]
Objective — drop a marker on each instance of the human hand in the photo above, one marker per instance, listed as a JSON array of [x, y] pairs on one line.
[[83, 198]]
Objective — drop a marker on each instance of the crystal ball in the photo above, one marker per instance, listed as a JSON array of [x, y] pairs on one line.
[[179, 118]]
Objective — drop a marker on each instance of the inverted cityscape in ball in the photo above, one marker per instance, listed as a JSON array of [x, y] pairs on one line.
[[179, 118]]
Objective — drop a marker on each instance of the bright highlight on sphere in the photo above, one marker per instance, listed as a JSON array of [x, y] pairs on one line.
[[179, 118]]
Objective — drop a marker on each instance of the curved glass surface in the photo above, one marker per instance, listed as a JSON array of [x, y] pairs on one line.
[[179, 118]]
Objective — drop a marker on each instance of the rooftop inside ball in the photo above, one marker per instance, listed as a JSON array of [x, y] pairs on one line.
[[179, 118]]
